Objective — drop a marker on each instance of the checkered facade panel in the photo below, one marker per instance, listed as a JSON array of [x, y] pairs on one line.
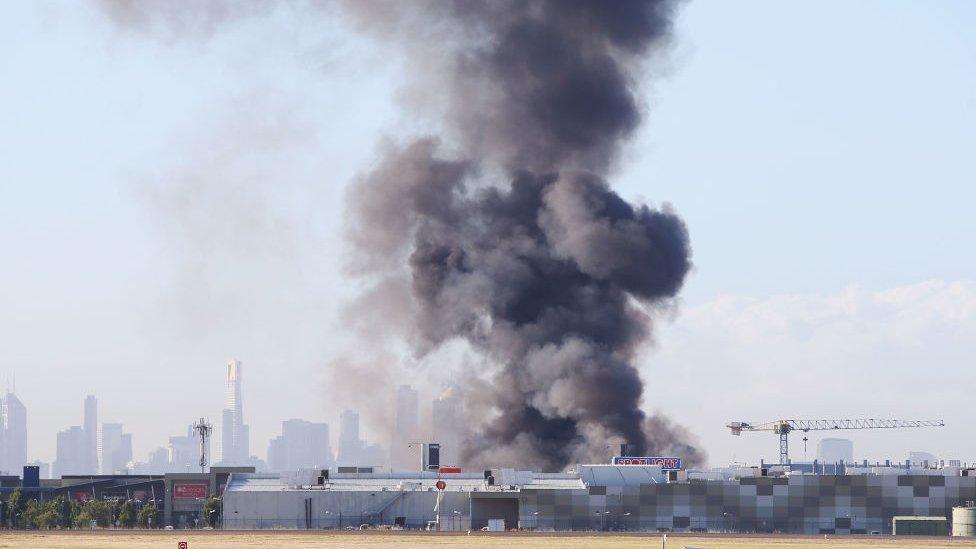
[[808, 504]]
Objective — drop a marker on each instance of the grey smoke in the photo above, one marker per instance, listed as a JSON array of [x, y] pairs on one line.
[[547, 272], [504, 232]]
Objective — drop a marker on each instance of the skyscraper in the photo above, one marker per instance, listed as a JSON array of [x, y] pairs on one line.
[[115, 449], [834, 450], [350, 445], [72, 453], [90, 463], [302, 445], [234, 443], [13, 433], [447, 420], [184, 452], [405, 430]]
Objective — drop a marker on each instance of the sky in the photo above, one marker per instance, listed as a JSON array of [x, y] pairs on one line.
[[171, 196]]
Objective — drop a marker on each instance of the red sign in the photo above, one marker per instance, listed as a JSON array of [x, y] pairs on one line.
[[181, 545], [190, 490], [447, 469], [441, 485]]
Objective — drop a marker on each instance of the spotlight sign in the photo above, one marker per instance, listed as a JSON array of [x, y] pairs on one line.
[[666, 463]]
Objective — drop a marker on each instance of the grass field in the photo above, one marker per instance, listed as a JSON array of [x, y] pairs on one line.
[[317, 540]]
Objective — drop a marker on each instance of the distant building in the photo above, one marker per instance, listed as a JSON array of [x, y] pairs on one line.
[[405, 431], [922, 458], [350, 445], [72, 453], [234, 435], [13, 433], [353, 450], [184, 452], [156, 464], [373, 455], [90, 463], [302, 444], [833, 450], [158, 461], [115, 449], [447, 420], [43, 468]]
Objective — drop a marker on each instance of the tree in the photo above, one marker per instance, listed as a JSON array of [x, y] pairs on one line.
[[102, 512], [149, 516], [62, 510], [127, 515], [40, 515], [15, 508], [211, 511]]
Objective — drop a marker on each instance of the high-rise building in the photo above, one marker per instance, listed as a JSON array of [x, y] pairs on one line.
[[234, 438], [158, 460], [72, 453], [922, 459], [13, 433], [156, 464], [835, 450], [353, 450], [301, 445], [350, 445], [91, 435], [447, 424], [115, 449], [406, 427], [184, 452], [78, 447]]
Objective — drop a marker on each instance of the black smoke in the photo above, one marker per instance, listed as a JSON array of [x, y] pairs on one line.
[[543, 268], [504, 231]]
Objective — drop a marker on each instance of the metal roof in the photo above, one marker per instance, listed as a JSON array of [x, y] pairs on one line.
[[364, 483]]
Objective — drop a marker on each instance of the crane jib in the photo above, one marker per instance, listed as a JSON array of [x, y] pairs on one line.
[[783, 427]]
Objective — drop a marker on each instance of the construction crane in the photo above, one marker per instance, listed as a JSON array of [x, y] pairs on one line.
[[782, 427]]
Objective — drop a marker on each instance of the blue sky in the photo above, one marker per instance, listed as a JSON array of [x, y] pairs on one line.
[[169, 202]]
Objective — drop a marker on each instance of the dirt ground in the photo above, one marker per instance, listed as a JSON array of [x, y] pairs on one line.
[[403, 540]]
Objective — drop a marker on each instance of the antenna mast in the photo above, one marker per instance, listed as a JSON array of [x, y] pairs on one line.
[[203, 429]]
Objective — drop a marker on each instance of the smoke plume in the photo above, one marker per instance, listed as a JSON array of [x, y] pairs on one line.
[[506, 233]]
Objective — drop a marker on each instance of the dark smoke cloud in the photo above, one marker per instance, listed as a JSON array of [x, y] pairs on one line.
[[541, 276], [506, 234], [538, 85], [549, 273]]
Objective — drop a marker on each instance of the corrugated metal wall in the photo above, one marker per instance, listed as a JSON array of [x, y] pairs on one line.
[[808, 504]]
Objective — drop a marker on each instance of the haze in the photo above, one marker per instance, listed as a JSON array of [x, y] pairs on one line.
[[172, 198]]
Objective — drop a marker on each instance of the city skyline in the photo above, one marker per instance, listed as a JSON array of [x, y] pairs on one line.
[[107, 448], [304, 444]]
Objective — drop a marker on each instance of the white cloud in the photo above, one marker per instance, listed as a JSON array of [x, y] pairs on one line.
[[899, 352]]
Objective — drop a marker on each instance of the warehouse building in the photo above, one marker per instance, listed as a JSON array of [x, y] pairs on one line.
[[179, 496], [602, 498]]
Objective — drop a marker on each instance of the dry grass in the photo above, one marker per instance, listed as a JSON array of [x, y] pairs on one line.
[[322, 540]]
